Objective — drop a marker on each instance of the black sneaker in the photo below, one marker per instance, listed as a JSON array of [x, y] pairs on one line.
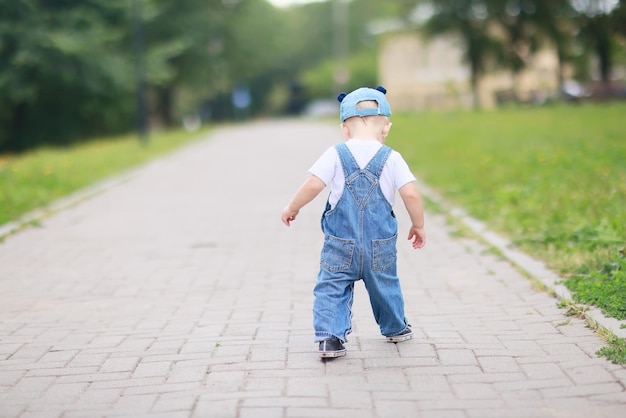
[[331, 348], [406, 334]]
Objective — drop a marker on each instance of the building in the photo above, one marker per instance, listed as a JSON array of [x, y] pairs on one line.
[[424, 74]]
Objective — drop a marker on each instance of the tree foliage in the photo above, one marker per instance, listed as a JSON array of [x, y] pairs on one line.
[[68, 68], [64, 70]]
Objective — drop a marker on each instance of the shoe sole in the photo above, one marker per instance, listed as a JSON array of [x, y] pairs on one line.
[[399, 338], [332, 354]]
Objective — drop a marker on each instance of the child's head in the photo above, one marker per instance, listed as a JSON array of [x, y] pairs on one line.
[[365, 113]]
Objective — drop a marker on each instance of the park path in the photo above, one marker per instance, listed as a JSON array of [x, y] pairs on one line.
[[179, 293]]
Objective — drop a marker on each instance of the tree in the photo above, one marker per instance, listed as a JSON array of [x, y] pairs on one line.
[[225, 45], [317, 66], [180, 40], [61, 64], [554, 20], [597, 33], [619, 18], [527, 24]]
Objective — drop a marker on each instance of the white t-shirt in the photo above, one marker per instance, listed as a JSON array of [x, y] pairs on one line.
[[395, 174]]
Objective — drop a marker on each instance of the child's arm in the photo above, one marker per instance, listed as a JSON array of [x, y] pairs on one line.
[[413, 203], [307, 192]]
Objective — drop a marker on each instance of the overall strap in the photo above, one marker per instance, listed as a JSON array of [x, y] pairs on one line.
[[376, 164], [361, 183], [348, 162]]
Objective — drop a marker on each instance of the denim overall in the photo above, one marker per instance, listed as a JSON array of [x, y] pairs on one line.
[[360, 235]]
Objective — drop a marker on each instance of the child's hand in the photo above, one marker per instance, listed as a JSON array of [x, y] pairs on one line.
[[288, 215], [311, 187], [418, 236]]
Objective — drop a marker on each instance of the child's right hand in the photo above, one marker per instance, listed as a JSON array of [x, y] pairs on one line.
[[418, 235], [288, 215]]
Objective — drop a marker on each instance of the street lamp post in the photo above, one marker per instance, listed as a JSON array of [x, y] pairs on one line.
[[140, 77]]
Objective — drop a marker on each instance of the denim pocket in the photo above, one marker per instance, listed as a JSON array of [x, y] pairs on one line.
[[384, 253], [337, 253]]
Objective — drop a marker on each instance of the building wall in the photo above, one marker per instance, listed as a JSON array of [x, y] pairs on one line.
[[431, 74]]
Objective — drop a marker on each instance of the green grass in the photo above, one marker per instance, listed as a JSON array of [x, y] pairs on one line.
[[35, 179], [552, 179], [604, 287], [616, 350]]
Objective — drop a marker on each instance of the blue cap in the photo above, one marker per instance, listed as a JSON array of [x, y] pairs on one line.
[[349, 103]]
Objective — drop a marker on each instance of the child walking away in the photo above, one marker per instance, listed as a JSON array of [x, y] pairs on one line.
[[359, 225]]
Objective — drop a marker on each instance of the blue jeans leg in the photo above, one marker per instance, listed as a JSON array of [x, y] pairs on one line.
[[332, 308], [385, 294]]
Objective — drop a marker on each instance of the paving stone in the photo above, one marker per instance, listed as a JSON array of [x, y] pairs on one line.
[[590, 374], [224, 408], [94, 377], [126, 382], [443, 414], [182, 374], [474, 390], [66, 392], [498, 364], [543, 371], [172, 403], [456, 357], [40, 414], [582, 391], [99, 396], [135, 404], [125, 364], [303, 412], [152, 369], [487, 377], [293, 401], [261, 412], [10, 378]]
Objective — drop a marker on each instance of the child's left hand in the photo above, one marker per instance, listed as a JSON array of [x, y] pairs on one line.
[[418, 235]]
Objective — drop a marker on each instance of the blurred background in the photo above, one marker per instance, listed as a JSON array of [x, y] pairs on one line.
[[74, 69]]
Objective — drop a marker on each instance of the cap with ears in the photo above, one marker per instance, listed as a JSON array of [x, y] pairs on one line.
[[349, 102]]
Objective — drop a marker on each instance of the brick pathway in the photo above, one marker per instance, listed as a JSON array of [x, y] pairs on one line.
[[180, 294]]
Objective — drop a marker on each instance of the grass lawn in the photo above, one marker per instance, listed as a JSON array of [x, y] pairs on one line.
[[37, 178], [552, 179]]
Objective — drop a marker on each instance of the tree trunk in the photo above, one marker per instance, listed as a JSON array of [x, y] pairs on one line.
[[474, 77], [165, 105], [561, 60], [603, 49]]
